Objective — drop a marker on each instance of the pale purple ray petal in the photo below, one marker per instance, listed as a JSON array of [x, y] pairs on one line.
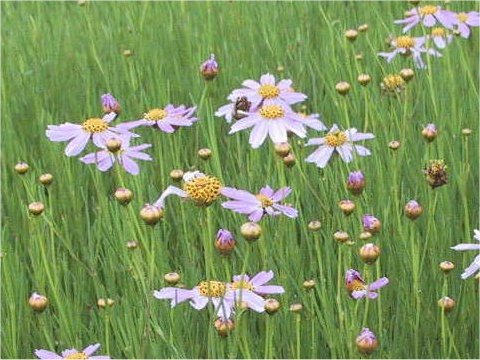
[[472, 268], [165, 127], [176, 295], [99, 139], [357, 136], [411, 23], [255, 302], [294, 126], [240, 206], [267, 191], [225, 111], [269, 289], [47, 355], [358, 294], [105, 160], [251, 84], [315, 141], [236, 194], [314, 123], [473, 18], [284, 84], [256, 216], [277, 132], [439, 42], [291, 97], [429, 20], [464, 30], [170, 190], [262, 277], [223, 308], [244, 277], [99, 357], [463, 247], [63, 134], [270, 211], [244, 123], [345, 151], [321, 156], [133, 124], [281, 194], [372, 295], [77, 145], [362, 150], [388, 55], [89, 350], [417, 59], [267, 79], [68, 352], [259, 134], [129, 165], [199, 302], [89, 158], [109, 117], [476, 234], [378, 283], [286, 210], [137, 155]]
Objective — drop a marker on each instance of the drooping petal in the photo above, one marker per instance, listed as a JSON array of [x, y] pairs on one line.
[[346, 152], [77, 145], [267, 191], [244, 123], [176, 295], [277, 132], [170, 190], [254, 302], [286, 210], [198, 302]]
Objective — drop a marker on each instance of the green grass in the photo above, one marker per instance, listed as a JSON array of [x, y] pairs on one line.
[[58, 58]]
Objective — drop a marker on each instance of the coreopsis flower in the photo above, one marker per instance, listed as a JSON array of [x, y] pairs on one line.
[[466, 20], [124, 154], [409, 46], [202, 189], [274, 120], [110, 104], [95, 129], [428, 15], [357, 287], [218, 293], [475, 265], [167, 119], [251, 290], [440, 37], [436, 173], [266, 202], [72, 353], [209, 68], [340, 142]]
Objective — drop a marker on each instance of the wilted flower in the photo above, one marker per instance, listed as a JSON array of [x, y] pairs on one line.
[[266, 202], [72, 353], [475, 265], [110, 104], [393, 84], [356, 182], [436, 173], [428, 15], [466, 20], [104, 159], [367, 341], [209, 69], [167, 119], [225, 242], [357, 287], [96, 129]]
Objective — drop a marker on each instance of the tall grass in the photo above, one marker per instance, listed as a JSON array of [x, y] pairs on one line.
[[58, 58]]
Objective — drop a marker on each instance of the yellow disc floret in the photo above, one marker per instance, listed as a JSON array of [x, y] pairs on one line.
[[336, 138], [242, 284], [203, 190], [428, 10], [462, 17], [94, 125], [77, 355], [268, 91], [438, 31], [393, 83], [405, 42], [212, 288], [155, 114], [272, 112], [265, 200]]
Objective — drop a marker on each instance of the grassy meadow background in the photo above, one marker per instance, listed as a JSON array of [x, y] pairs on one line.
[[58, 58]]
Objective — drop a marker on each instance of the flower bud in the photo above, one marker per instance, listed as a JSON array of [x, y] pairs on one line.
[[343, 87], [103, 303], [110, 104], [38, 302], [171, 278], [363, 28], [282, 149], [369, 253], [394, 144], [365, 235], [132, 244], [225, 242], [366, 342], [446, 303], [466, 132], [289, 160], [127, 53], [341, 236], [446, 266], [413, 209], [176, 174], [364, 79], [309, 284], [347, 206], [209, 69], [314, 225], [430, 132], [151, 214], [296, 308], [123, 196], [351, 34], [224, 326], [205, 153], [356, 182], [272, 306], [251, 231], [371, 224], [113, 144], [280, 68], [46, 179], [21, 168], [36, 208], [359, 56], [407, 74]]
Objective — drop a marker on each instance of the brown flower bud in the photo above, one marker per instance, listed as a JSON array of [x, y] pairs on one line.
[[446, 303], [171, 278], [176, 174], [446, 266], [205, 153], [309, 284], [363, 28], [364, 79], [123, 196], [341, 236], [38, 302], [224, 326], [413, 209], [46, 179], [347, 206], [151, 214], [314, 225], [407, 74], [36, 208], [289, 160], [369, 253], [282, 149], [113, 144], [394, 144], [351, 34], [251, 231], [272, 306], [21, 168], [296, 308], [343, 87]]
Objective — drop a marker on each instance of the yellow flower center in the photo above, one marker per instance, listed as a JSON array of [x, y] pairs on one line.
[[155, 115], [438, 31], [242, 284], [356, 285], [428, 10], [272, 112], [268, 91], [436, 168], [337, 138], [265, 200], [203, 190], [212, 288], [94, 125], [462, 17], [393, 82], [406, 42], [77, 355]]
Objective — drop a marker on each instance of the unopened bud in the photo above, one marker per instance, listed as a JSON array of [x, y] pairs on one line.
[[371, 224], [151, 214], [341, 236], [446, 303], [113, 145], [296, 308], [123, 196], [314, 225], [343, 87], [430, 132], [224, 326], [36, 208], [365, 235], [205, 153], [38, 302], [282, 149], [351, 34], [251, 231], [176, 174], [272, 306], [367, 341], [347, 206], [127, 53], [132, 244], [21, 168], [447, 266], [363, 28], [46, 179], [466, 132], [407, 74], [309, 284], [225, 242], [394, 144], [171, 278], [209, 69], [364, 79], [413, 209], [356, 182], [369, 253], [289, 160]]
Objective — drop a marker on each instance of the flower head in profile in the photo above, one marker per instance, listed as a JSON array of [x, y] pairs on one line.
[[251, 290], [209, 68], [357, 288], [95, 129], [110, 104], [466, 20], [216, 292], [118, 149], [475, 265], [266, 202], [167, 119], [71, 353], [440, 37], [340, 142], [428, 16]]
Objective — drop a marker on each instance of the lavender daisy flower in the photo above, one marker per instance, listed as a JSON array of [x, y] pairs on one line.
[[252, 290], [475, 265], [406, 46], [98, 130], [340, 142], [440, 37], [268, 92], [357, 287], [209, 69], [166, 119], [256, 206], [110, 104], [118, 149], [274, 121], [72, 353], [428, 15], [216, 292], [466, 20]]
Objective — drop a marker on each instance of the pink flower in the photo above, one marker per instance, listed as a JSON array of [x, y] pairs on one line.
[[429, 16], [71, 353], [357, 287], [95, 129], [464, 21], [256, 206]]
